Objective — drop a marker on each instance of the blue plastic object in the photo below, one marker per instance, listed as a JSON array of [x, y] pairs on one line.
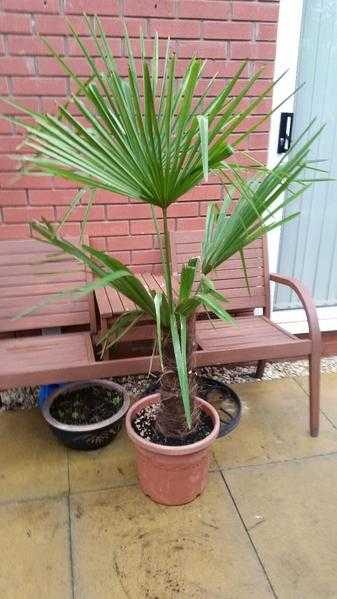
[[45, 391]]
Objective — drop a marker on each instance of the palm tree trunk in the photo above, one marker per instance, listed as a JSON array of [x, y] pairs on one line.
[[171, 420]]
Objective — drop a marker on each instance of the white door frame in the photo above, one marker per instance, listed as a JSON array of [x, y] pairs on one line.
[[287, 53]]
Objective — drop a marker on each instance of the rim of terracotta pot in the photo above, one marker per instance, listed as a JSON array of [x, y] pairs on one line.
[[84, 428], [172, 450]]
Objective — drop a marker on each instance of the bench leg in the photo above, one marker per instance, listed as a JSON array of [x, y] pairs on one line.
[[314, 392], [260, 369]]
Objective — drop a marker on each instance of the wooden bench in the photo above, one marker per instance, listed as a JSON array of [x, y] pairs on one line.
[[31, 349], [111, 304], [40, 358], [253, 337]]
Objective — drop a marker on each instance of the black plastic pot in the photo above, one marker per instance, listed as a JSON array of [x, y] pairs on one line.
[[87, 437]]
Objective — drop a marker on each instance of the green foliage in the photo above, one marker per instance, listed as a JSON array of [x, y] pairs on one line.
[[153, 138]]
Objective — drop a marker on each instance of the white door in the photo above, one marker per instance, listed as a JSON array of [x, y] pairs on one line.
[[307, 247]]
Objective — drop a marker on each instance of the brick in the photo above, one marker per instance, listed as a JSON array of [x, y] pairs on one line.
[[202, 192], [102, 229], [217, 86], [40, 86], [51, 105], [136, 47], [57, 25], [15, 23], [223, 68], [258, 141], [9, 143], [114, 27], [107, 197], [183, 209], [262, 108], [50, 197], [96, 213], [5, 127], [4, 88], [31, 103], [259, 87], [14, 65], [203, 49], [190, 223], [255, 11], [63, 184], [203, 207], [145, 257], [199, 9], [49, 66], [268, 68], [227, 31], [252, 50], [267, 32], [99, 243], [26, 215], [128, 211], [14, 232], [146, 227], [149, 8], [8, 164], [243, 145], [124, 257], [18, 181], [26, 45], [250, 121], [70, 229], [261, 155], [175, 28], [98, 7], [130, 242], [42, 6], [2, 45], [75, 50], [13, 198]]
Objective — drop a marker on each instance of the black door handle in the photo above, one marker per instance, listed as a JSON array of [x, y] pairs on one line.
[[285, 132]]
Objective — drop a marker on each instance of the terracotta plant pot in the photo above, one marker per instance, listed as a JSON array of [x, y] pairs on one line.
[[172, 475]]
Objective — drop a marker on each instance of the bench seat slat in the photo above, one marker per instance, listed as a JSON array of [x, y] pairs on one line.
[[47, 358], [30, 273], [250, 338]]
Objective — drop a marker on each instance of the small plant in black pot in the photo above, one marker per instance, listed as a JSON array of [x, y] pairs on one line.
[[86, 415]]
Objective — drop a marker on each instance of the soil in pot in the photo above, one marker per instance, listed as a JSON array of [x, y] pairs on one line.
[[144, 426], [88, 405]]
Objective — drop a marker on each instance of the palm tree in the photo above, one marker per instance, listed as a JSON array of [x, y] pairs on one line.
[[152, 138]]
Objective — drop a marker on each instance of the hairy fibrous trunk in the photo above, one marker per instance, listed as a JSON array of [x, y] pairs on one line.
[[171, 419]]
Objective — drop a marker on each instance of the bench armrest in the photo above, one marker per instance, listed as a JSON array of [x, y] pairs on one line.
[[307, 302]]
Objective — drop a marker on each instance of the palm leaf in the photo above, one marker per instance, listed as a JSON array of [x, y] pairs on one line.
[[154, 142]]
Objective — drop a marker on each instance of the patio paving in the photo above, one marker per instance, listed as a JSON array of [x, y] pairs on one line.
[[75, 525]]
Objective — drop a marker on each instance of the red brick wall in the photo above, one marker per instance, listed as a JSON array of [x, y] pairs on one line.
[[225, 32]]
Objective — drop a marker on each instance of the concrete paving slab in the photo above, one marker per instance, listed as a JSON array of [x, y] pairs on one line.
[[34, 550], [290, 512], [328, 394], [32, 462], [127, 546], [273, 427], [111, 466]]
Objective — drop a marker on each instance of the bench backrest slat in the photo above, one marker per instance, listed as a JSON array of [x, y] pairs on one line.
[[229, 278], [31, 272]]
